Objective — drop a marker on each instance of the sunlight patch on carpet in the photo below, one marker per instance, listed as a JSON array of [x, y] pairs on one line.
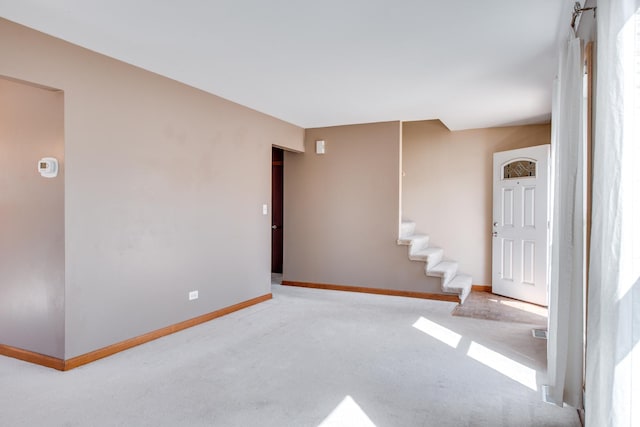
[[442, 334], [510, 368], [347, 413]]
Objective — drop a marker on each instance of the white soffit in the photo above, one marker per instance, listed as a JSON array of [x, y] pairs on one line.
[[472, 64]]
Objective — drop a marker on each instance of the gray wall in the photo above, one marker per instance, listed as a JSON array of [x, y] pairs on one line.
[[164, 192], [342, 208], [31, 219], [342, 211]]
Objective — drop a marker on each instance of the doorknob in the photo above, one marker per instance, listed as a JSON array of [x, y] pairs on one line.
[[494, 234], [273, 227], [495, 224]]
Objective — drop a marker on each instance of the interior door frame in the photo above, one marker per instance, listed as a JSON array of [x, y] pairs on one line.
[[277, 209]]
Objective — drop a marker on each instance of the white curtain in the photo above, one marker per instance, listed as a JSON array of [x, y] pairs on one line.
[[612, 389], [567, 270]]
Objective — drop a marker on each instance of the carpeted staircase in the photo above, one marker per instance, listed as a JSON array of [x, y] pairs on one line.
[[419, 250]]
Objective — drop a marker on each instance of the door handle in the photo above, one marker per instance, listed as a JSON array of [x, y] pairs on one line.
[[273, 227], [495, 224], [494, 234]]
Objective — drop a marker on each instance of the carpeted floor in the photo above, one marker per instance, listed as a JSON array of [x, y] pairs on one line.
[[485, 305], [307, 357]]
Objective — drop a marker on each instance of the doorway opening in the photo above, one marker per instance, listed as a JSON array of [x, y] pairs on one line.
[[277, 207]]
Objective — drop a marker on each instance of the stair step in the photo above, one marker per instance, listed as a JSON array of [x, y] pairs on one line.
[[461, 285], [432, 256], [445, 269], [416, 241], [407, 228]]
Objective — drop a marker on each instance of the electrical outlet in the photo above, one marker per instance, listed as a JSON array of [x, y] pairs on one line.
[[193, 295]]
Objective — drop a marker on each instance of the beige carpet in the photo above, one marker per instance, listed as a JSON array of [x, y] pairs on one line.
[[485, 305]]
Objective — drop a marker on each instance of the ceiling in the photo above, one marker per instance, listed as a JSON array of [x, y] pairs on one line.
[[471, 64]]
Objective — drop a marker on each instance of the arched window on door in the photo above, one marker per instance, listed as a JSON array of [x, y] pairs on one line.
[[519, 169]]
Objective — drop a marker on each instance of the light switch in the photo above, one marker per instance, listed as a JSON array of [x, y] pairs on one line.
[[319, 147], [265, 210]]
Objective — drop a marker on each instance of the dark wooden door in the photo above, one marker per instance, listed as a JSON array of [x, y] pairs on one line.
[[277, 206]]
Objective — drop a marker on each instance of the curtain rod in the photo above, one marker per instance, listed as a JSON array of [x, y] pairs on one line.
[[577, 11]]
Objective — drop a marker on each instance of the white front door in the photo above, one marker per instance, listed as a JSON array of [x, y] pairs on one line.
[[520, 223]]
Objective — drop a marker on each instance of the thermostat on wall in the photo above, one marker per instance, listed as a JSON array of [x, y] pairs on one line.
[[48, 167]]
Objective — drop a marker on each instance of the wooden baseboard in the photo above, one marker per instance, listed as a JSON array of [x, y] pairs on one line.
[[32, 357], [377, 291], [83, 359], [481, 288]]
